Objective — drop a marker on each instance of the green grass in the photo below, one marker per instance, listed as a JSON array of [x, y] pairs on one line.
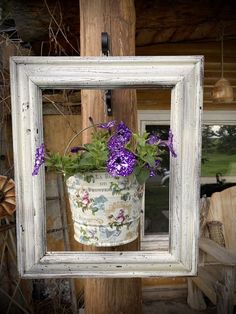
[[225, 164]]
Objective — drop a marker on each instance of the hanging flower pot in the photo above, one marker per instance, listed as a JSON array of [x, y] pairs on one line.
[[105, 209], [105, 180]]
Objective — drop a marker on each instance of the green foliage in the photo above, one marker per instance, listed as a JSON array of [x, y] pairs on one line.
[[94, 155], [147, 153], [219, 150], [142, 174], [66, 164], [227, 139], [207, 140]]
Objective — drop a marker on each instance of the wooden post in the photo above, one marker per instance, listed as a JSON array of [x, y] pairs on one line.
[[117, 18]]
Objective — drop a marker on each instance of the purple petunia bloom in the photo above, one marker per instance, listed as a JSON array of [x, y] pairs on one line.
[[121, 163], [120, 138], [169, 144], [153, 139], [107, 125], [124, 132], [39, 159], [152, 170], [115, 143]]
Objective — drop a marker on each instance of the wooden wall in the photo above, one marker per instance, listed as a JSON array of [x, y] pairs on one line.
[[212, 71], [160, 99]]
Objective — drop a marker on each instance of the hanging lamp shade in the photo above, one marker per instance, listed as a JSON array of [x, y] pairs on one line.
[[222, 91]]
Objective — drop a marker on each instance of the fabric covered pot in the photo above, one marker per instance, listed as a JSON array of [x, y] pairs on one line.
[[105, 210]]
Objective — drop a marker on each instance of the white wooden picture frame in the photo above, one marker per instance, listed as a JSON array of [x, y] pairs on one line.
[[184, 75]]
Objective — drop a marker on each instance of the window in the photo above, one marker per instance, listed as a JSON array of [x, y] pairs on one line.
[[218, 169], [218, 152], [29, 76]]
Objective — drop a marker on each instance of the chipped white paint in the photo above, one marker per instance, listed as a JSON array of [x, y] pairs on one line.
[[184, 75]]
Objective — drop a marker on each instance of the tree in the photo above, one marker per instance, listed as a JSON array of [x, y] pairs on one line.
[[208, 142], [227, 139]]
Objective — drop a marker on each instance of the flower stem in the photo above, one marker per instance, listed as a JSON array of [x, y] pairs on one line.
[[93, 125], [76, 135]]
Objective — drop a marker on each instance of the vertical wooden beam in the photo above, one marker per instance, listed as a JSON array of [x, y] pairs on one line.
[[117, 18]]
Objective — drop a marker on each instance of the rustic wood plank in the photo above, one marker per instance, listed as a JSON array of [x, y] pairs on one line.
[[157, 22], [65, 126], [220, 253], [206, 288], [62, 109], [164, 292], [63, 96], [210, 49], [195, 297], [223, 208], [225, 291]]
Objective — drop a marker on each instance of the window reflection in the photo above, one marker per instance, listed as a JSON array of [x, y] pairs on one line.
[[218, 172]]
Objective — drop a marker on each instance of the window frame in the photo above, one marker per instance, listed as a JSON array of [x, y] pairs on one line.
[[31, 74], [148, 117]]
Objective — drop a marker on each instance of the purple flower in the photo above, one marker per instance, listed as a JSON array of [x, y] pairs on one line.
[[115, 143], [153, 139], [76, 149], [107, 125], [123, 132], [169, 144], [121, 163], [39, 159], [120, 138], [152, 170]]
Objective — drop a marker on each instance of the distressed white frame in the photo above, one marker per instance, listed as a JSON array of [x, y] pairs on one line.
[[162, 117], [184, 75]]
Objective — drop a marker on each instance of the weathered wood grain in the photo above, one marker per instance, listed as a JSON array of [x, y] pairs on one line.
[[157, 22], [117, 18]]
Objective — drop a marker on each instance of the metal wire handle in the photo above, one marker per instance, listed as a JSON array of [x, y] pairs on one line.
[[77, 134]]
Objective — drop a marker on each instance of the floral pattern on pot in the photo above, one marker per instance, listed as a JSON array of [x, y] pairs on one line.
[[86, 202], [105, 209]]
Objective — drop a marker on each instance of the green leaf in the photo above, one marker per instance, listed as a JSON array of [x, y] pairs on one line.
[[87, 161], [142, 174], [150, 160]]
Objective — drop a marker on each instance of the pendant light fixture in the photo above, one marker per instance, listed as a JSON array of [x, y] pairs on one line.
[[222, 91]]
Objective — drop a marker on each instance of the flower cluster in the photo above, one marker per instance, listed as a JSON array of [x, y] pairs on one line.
[[113, 148], [121, 161], [39, 159]]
